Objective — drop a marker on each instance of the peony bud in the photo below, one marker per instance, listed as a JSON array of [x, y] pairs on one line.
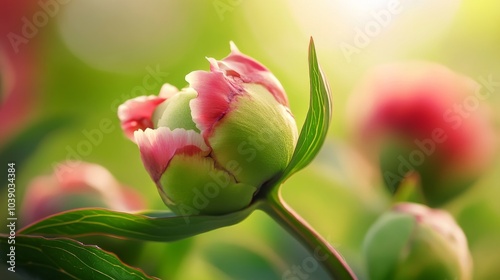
[[210, 146], [423, 117], [416, 242], [76, 185]]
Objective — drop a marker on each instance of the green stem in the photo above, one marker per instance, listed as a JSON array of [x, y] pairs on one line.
[[322, 251]]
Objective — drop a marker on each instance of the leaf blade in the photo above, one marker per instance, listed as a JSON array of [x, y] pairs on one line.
[[62, 258], [95, 221], [318, 118]]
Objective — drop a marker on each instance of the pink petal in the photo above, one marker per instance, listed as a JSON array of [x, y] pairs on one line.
[[215, 93], [84, 177], [40, 190], [251, 71], [136, 113], [158, 146]]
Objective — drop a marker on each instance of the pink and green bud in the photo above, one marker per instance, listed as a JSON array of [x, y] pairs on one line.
[[76, 184], [416, 242], [210, 146], [425, 118]]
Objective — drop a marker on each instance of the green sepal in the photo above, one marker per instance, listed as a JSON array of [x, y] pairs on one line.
[[192, 185], [257, 135]]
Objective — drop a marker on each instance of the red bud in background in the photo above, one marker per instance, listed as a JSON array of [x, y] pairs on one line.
[[423, 117]]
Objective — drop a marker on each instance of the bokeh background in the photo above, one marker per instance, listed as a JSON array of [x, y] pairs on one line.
[[68, 73]]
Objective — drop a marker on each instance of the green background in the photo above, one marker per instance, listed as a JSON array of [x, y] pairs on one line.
[[93, 55]]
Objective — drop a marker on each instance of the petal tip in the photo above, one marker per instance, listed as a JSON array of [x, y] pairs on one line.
[[233, 47], [167, 90], [214, 64]]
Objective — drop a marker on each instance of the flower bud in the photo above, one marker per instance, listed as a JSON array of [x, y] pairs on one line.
[[76, 184], [416, 242], [210, 146], [423, 117]]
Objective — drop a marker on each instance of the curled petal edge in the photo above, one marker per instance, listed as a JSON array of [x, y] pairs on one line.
[[215, 93], [249, 70], [158, 147], [136, 113]]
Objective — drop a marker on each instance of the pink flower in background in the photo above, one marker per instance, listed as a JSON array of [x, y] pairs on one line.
[[77, 185], [210, 146], [19, 80], [424, 117]]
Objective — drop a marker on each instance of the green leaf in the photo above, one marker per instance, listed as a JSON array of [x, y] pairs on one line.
[[318, 118], [61, 258], [153, 227]]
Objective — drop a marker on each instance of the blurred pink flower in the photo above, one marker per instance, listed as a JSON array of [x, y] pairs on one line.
[[424, 117], [18, 68], [77, 185]]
